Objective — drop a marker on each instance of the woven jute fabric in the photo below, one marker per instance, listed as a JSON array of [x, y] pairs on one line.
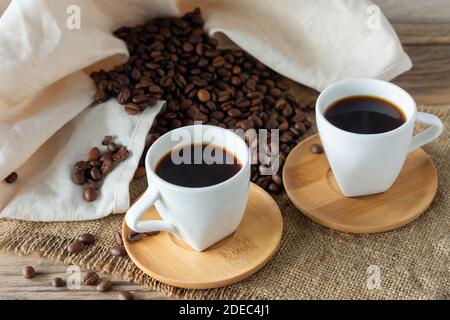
[[313, 262]]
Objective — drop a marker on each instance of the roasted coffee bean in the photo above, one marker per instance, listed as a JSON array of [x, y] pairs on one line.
[[243, 103], [11, 178], [140, 173], [75, 247], [277, 179], [118, 238], [135, 236], [96, 174], [104, 285], [107, 140], [140, 98], [217, 115], [107, 166], [58, 283], [90, 194], [124, 96], [274, 188], [86, 238], [125, 295], [28, 272], [93, 154], [121, 154], [203, 95], [234, 113], [316, 148], [132, 109], [118, 251], [95, 163], [100, 96], [80, 166], [90, 279], [173, 59], [188, 47], [93, 184], [79, 178]]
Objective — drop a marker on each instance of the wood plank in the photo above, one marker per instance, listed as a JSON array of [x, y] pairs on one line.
[[415, 11], [423, 34], [14, 286], [429, 79]]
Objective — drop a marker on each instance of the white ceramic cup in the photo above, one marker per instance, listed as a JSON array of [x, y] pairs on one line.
[[366, 164], [199, 216]]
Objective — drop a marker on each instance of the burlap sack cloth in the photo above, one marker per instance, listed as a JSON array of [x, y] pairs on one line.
[[313, 262]]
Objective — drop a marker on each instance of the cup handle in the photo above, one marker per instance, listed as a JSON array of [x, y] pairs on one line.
[[145, 202], [429, 134]]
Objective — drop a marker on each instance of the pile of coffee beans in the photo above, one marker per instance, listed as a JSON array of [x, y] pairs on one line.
[[97, 165], [174, 59]]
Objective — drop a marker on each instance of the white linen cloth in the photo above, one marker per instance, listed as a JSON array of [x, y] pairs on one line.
[[44, 87]]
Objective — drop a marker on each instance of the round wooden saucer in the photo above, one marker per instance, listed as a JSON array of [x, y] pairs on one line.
[[171, 261], [311, 186]]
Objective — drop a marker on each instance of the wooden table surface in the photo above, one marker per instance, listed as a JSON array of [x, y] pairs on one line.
[[423, 28]]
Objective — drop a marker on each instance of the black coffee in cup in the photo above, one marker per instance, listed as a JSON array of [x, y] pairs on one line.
[[198, 166], [365, 115]]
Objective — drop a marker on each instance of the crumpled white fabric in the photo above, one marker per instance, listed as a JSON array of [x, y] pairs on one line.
[[44, 87]]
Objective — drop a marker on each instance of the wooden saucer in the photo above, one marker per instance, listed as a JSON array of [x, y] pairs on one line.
[[311, 186], [171, 261]]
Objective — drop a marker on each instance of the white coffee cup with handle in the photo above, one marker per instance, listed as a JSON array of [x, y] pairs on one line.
[[199, 216], [365, 164]]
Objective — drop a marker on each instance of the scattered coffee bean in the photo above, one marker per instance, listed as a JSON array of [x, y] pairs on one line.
[[154, 233], [75, 247], [80, 166], [11, 178], [107, 166], [274, 188], [118, 251], [107, 140], [316, 148], [174, 59], [28, 272], [90, 279], [91, 183], [135, 236], [93, 154], [121, 154], [118, 238], [96, 174], [79, 178], [140, 173], [90, 194], [104, 285], [125, 295], [86, 238], [58, 283]]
